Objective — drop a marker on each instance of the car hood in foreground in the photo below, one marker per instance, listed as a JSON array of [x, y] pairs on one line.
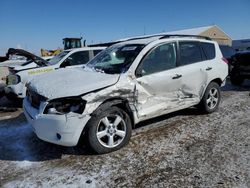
[[23, 66], [70, 82]]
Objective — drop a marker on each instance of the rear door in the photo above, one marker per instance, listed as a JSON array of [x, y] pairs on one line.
[[194, 67]]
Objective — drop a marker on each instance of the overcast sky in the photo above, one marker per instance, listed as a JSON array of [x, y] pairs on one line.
[[35, 24]]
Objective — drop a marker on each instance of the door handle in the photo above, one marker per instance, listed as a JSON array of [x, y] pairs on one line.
[[177, 76], [209, 68]]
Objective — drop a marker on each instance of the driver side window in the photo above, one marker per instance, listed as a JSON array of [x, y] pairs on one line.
[[159, 59]]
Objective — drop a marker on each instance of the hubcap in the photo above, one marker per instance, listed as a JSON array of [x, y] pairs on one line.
[[212, 98], [111, 131]]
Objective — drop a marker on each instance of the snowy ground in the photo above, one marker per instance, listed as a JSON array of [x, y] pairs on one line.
[[183, 149]]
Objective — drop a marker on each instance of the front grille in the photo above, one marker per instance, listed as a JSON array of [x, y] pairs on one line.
[[35, 99]]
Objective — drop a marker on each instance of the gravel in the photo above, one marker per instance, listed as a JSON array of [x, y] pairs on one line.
[[181, 149]]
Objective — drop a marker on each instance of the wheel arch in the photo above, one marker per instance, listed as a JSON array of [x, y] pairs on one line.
[[118, 102], [217, 80]]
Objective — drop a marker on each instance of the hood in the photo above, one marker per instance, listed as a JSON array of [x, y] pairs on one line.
[[70, 82], [37, 60], [24, 66], [12, 63]]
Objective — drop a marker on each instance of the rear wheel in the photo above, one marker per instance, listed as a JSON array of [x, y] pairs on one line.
[[109, 130], [211, 98]]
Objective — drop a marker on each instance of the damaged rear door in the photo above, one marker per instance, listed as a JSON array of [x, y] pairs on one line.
[[194, 67], [158, 81]]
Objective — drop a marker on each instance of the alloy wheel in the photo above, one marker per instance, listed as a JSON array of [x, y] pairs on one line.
[[111, 131], [212, 98]]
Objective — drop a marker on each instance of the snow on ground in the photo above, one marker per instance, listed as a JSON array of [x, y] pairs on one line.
[[182, 149]]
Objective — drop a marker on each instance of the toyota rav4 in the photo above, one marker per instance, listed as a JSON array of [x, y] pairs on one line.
[[127, 83]]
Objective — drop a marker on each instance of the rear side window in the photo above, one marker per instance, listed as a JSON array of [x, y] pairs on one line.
[[190, 52], [209, 50]]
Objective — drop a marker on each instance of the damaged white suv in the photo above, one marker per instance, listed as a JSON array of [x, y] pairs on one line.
[[125, 84]]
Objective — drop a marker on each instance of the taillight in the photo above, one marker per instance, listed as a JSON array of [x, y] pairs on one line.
[[225, 60]]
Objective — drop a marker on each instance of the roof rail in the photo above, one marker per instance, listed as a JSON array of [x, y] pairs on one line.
[[143, 37], [178, 35], [107, 44], [161, 36], [129, 39]]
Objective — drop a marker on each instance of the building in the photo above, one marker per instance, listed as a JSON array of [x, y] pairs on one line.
[[241, 45], [214, 32]]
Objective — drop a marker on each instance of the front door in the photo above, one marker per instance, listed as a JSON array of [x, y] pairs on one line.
[[158, 82]]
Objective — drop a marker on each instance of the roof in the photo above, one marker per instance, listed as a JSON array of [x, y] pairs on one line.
[[86, 48], [241, 42], [140, 40], [69, 38], [136, 40]]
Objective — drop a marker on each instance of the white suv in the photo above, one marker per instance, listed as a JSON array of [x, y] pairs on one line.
[[21, 74], [125, 84]]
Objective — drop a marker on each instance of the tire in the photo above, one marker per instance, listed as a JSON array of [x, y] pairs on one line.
[[211, 98], [109, 130]]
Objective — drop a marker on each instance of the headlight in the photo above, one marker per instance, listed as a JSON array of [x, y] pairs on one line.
[[13, 79], [65, 105]]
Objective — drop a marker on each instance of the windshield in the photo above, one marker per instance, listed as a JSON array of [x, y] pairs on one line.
[[58, 58], [116, 59]]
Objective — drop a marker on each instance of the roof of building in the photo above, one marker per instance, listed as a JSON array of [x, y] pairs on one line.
[[193, 31]]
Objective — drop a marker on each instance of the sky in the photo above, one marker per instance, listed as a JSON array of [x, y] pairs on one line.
[[36, 24]]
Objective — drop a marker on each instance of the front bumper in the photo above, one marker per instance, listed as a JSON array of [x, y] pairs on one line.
[[63, 130]]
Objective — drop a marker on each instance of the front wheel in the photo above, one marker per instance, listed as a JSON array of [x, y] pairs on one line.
[[211, 98], [109, 130]]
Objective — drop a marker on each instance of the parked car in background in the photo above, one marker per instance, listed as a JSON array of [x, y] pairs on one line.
[[14, 57], [240, 68], [228, 52], [21, 74], [125, 84]]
